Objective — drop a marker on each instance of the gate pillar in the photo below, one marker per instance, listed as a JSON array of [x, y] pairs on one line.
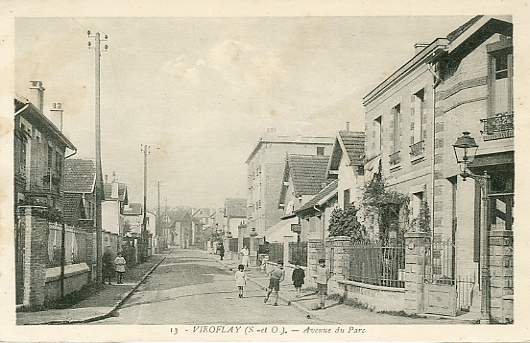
[[415, 243]]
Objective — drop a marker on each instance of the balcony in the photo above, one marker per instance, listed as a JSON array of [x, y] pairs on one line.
[[417, 149], [395, 158], [498, 127], [44, 179]]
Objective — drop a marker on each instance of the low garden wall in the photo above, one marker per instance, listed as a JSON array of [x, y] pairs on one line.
[[75, 277], [376, 298]]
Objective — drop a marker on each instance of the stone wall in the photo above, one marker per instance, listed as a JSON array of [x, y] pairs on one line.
[[501, 273]]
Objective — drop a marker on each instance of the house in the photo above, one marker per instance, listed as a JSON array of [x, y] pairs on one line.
[[304, 176], [40, 150], [235, 212], [462, 82], [265, 167], [179, 224], [116, 198]]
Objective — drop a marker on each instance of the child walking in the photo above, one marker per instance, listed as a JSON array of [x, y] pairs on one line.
[[298, 278], [276, 276], [241, 279], [323, 276]]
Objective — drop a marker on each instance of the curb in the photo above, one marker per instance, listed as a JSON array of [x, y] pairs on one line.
[[116, 307]]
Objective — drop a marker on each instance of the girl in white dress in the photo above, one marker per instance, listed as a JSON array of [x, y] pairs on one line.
[[241, 279]]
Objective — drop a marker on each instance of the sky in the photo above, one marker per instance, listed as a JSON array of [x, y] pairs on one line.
[[201, 91]]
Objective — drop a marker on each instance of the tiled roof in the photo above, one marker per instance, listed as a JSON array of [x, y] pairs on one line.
[[307, 172], [71, 202], [236, 207], [133, 209], [79, 175], [354, 144], [329, 189], [122, 190]]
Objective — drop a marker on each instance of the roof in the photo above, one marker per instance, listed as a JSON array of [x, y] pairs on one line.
[[133, 209], [478, 28], [176, 215], [307, 172], [36, 117], [79, 175], [236, 207], [71, 202], [122, 191], [284, 139], [318, 199], [351, 143]]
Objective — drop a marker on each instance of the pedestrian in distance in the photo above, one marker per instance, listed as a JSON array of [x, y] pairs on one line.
[[108, 265], [241, 279], [221, 250], [276, 276], [119, 265], [323, 276], [245, 257], [298, 278]]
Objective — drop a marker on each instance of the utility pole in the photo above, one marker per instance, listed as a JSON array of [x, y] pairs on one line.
[[99, 171], [145, 150]]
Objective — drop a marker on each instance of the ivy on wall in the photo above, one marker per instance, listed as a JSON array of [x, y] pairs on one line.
[[345, 223]]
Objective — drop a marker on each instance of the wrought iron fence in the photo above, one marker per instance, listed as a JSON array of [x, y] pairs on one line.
[[502, 122], [378, 265], [395, 158], [417, 148], [439, 262], [246, 242], [275, 252], [298, 253], [232, 244], [76, 247]]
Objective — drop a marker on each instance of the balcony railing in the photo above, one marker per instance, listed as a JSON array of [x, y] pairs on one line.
[[44, 179], [500, 126], [417, 149], [395, 158]]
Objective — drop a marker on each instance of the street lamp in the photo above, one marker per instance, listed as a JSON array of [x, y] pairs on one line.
[[465, 150]]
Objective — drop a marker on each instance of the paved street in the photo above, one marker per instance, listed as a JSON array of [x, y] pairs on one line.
[[190, 287]]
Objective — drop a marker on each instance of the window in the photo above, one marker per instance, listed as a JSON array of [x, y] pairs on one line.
[[418, 117], [500, 85], [378, 133], [50, 158], [396, 132], [22, 158], [58, 163], [320, 150], [416, 201]]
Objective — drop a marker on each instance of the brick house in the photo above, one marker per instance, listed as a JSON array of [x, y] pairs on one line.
[[265, 167], [462, 82], [39, 157], [304, 176]]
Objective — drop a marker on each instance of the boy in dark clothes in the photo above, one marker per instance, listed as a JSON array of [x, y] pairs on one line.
[[298, 279]]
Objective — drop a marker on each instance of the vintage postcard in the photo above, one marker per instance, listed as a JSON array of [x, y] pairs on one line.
[[244, 171]]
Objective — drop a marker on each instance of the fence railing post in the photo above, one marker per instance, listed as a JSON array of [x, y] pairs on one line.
[[415, 246]]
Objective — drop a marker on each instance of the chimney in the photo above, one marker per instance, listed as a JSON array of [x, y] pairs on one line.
[[114, 190], [56, 115], [37, 94], [418, 47], [348, 126]]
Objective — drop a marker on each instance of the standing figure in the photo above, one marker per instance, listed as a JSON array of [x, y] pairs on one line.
[[221, 250], [298, 278], [241, 279], [108, 266], [323, 276], [245, 259], [119, 265], [277, 275]]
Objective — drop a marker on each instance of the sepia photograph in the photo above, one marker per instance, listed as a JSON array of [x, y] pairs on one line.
[[263, 177]]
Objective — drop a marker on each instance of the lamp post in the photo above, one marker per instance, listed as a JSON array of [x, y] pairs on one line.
[[465, 150]]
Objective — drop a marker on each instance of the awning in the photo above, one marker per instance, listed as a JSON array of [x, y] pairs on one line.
[[371, 168]]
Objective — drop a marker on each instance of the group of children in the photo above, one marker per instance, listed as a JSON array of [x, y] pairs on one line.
[[277, 275]]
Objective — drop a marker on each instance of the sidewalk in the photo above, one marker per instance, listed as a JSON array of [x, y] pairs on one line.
[[99, 306], [334, 312]]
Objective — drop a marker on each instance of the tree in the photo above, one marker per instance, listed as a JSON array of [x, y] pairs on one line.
[[345, 223]]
